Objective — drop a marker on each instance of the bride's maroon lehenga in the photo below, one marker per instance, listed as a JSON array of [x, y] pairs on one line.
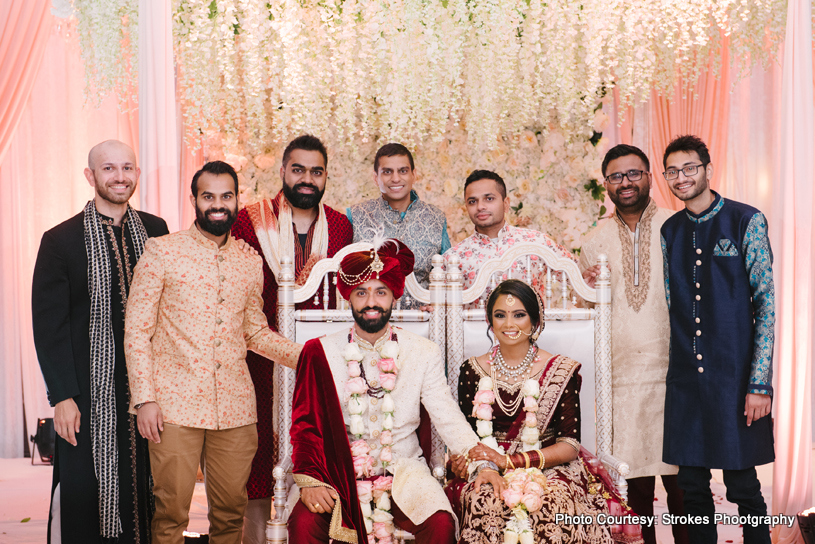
[[578, 487]]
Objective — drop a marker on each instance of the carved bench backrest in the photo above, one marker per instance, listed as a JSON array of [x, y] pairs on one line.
[[583, 334], [303, 325]]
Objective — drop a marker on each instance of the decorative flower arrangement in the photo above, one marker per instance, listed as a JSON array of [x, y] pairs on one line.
[[109, 43], [409, 71], [373, 495], [525, 489]]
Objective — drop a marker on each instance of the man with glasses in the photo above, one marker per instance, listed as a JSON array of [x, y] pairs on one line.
[[721, 299], [640, 333]]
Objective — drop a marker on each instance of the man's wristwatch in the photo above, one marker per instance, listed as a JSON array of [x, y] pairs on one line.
[[142, 404]]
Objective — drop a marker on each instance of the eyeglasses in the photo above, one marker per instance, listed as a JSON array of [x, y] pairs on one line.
[[632, 175], [673, 173]]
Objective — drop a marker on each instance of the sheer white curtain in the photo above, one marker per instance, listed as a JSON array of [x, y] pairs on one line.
[[794, 203], [160, 128]]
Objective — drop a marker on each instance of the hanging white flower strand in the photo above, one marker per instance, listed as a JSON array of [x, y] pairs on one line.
[[403, 69]]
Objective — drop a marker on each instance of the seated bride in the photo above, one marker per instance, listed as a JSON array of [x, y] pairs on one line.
[[524, 403]]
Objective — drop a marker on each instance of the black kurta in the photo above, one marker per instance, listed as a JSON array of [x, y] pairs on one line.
[[61, 320]]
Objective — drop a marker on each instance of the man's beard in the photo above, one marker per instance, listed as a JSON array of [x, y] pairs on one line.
[[640, 203], [372, 326], [699, 188], [299, 200], [216, 228]]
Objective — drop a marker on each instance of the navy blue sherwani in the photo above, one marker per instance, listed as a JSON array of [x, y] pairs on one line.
[[719, 284]]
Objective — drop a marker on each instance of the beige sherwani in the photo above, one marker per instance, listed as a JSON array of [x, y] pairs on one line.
[[420, 381], [640, 336]]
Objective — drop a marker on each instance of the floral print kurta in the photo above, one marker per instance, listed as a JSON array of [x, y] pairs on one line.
[[477, 248], [193, 311]]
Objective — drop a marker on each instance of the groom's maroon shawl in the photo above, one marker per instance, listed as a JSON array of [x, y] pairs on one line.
[[320, 447]]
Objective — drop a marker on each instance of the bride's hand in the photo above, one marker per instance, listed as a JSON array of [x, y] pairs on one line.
[[481, 452]]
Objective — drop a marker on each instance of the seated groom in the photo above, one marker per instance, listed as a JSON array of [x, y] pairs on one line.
[[356, 408], [485, 196]]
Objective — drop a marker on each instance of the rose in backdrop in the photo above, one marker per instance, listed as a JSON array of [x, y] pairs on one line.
[[545, 176]]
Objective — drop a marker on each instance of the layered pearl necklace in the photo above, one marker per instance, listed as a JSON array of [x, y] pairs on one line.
[[373, 495], [498, 362]]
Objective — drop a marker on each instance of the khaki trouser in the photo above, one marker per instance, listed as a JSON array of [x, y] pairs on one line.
[[226, 458]]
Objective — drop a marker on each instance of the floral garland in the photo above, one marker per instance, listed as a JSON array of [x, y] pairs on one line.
[[255, 69], [373, 494], [525, 486], [482, 410]]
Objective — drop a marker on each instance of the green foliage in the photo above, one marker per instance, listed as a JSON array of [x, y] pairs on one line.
[[598, 192]]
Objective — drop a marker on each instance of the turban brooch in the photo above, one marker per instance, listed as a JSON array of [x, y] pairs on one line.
[[390, 262]]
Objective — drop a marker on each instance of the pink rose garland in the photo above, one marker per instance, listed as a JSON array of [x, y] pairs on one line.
[[373, 496]]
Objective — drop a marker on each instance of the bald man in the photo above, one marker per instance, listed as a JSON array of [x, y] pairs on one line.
[[101, 486]]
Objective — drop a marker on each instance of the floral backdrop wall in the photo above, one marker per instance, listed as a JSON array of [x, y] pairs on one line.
[[552, 181], [404, 69], [509, 85]]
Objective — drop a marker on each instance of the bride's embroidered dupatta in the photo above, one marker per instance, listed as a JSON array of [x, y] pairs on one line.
[[580, 485]]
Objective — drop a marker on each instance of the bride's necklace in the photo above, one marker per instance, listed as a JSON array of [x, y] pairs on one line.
[[517, 370], [498, 363]]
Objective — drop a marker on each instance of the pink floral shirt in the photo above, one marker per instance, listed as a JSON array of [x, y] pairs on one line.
[[193, 311], [477, 248]]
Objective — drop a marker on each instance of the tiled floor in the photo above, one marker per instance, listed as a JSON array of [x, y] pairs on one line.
[[25, 489]]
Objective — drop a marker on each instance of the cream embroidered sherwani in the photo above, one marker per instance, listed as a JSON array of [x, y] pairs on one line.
[[420, 381], [640, 336]]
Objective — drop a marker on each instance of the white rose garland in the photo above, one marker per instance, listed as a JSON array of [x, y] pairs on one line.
[[373, 496]]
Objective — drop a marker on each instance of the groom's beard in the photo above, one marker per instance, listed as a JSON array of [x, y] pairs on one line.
[[372, 326]]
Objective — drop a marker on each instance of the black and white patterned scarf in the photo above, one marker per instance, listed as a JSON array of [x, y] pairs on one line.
[[103, 361]]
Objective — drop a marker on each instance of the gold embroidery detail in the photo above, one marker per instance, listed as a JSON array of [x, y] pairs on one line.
[[335, 530], [636, 294], [552, 389]]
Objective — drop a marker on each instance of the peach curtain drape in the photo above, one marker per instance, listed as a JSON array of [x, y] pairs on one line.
[[705, 115], [25, 28], [43, 185], [794, 202]]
